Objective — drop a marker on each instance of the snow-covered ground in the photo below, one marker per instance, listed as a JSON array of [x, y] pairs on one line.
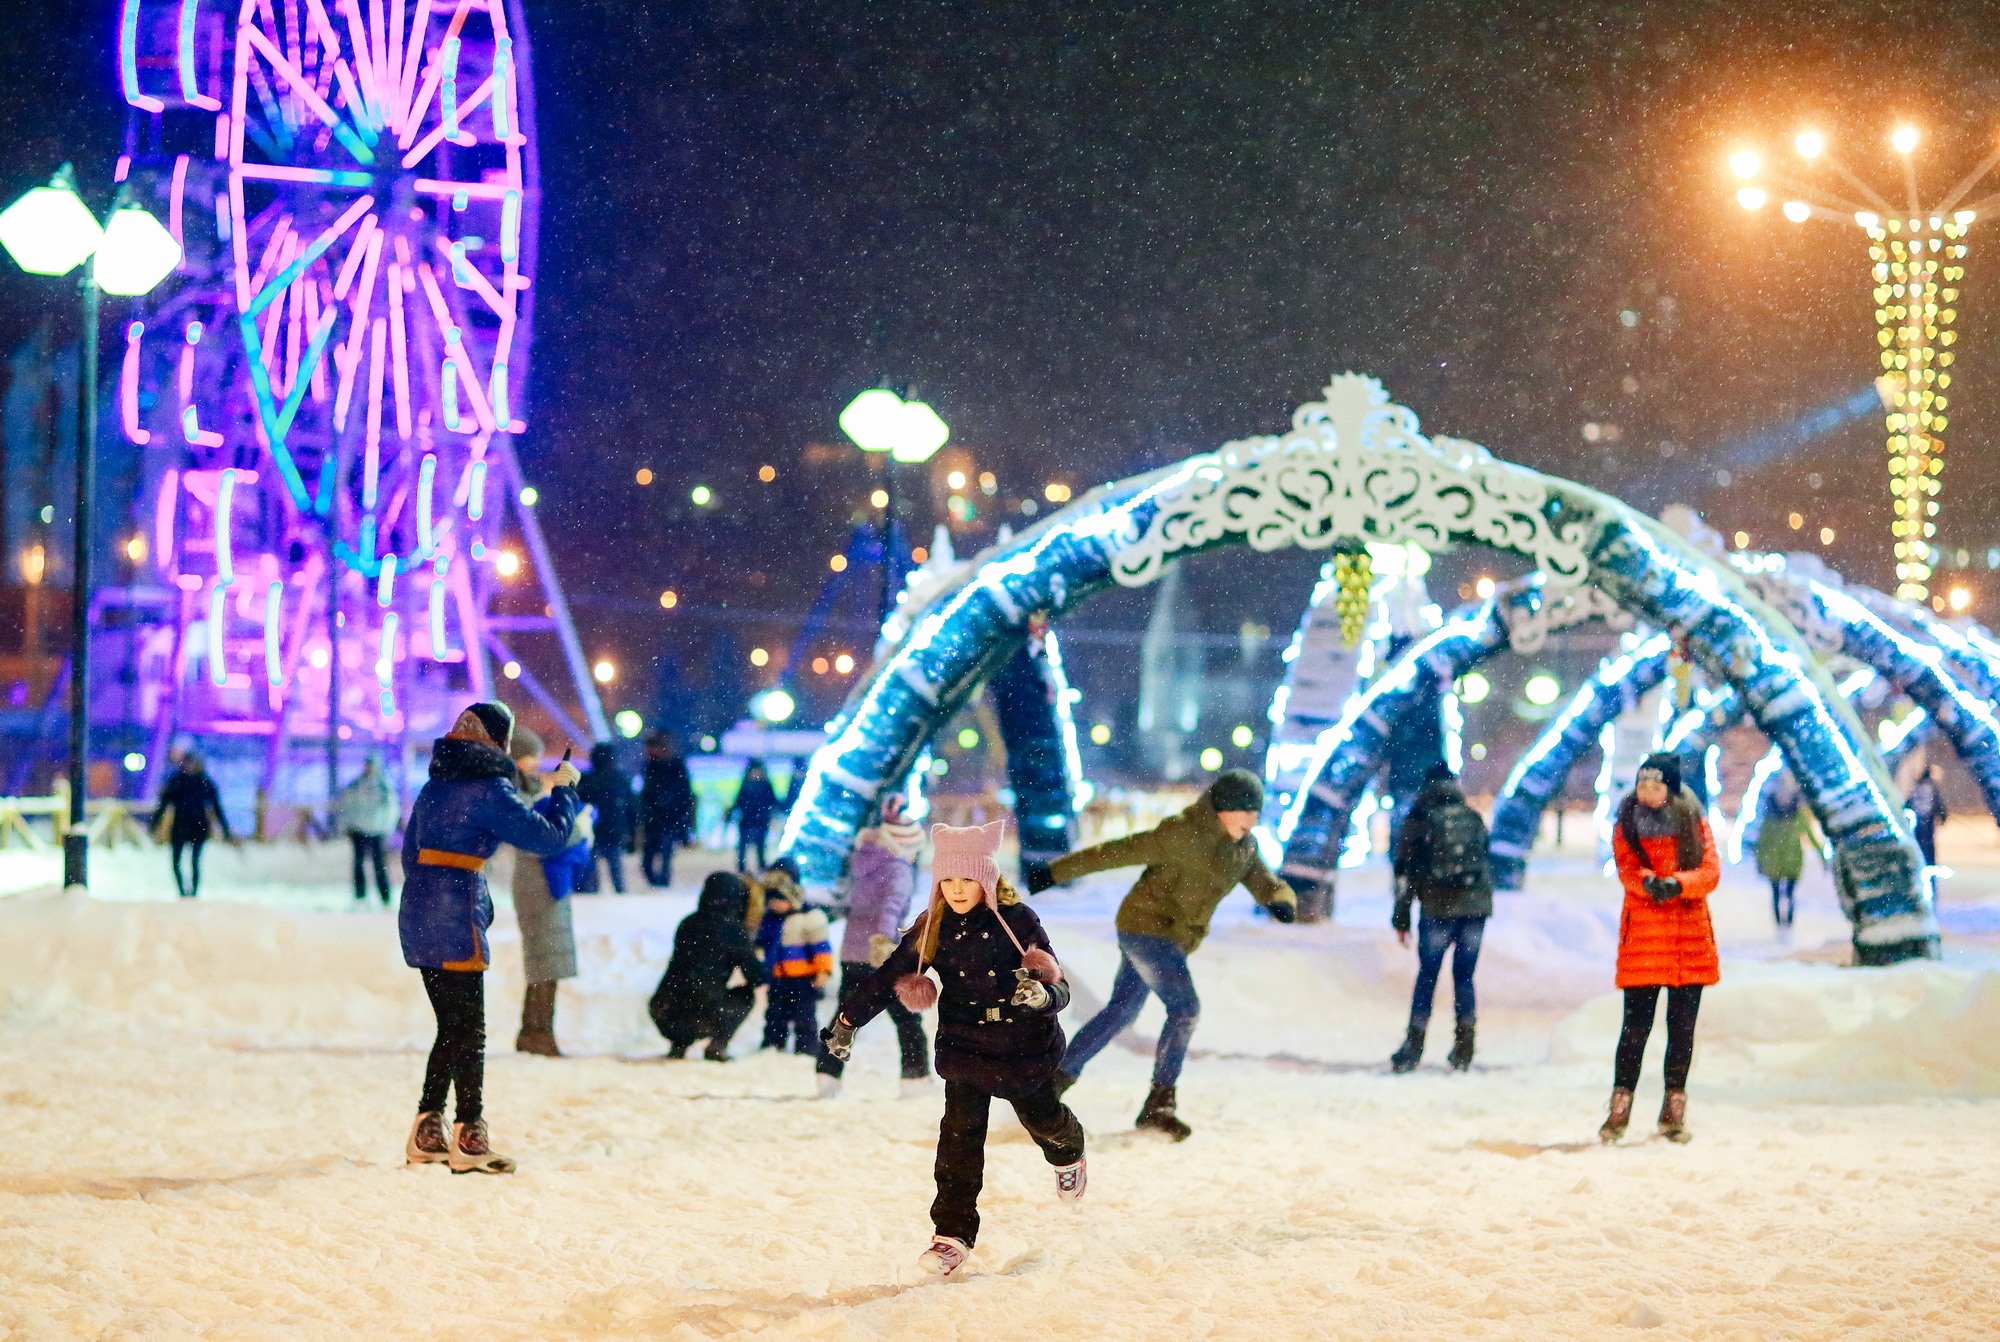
[[203, 1106]]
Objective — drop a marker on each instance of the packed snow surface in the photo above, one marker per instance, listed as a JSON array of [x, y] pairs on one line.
[[204, 1105]]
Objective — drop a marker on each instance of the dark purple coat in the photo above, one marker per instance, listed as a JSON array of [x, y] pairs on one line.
[[983, 1039]]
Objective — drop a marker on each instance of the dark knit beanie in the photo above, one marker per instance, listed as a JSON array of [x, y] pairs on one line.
[[1666, 766], [1236, 790], [497, 719], [1440, 773]]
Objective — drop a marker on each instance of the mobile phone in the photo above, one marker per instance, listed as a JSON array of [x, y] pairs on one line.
[[566, 750]]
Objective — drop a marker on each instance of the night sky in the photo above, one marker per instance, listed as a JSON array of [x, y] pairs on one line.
[[1102, 237]]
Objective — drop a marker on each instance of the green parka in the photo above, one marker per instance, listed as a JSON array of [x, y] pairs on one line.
[[1191, 863]]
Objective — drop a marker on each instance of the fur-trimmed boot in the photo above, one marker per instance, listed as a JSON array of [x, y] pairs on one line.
[[1460, 1057], [1673, 1117], [1619, 1118], [538, 1022], [1406, 1058], [1158, 1115]]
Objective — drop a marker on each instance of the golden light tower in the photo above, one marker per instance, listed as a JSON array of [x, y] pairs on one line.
[[1916, 257]]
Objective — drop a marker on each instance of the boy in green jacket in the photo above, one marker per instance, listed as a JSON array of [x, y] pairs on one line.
[[1191, 861]]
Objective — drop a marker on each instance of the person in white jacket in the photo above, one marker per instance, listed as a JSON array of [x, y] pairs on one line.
[[369, 812]]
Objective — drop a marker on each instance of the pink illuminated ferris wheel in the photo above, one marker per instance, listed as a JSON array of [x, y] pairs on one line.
[[335, 386]]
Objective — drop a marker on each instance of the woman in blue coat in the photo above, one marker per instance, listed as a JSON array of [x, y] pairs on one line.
[[468, 809]]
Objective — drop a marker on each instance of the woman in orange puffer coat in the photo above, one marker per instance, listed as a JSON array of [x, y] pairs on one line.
[[1668, 866]]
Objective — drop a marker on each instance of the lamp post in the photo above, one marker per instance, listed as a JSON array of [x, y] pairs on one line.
[[1916, 255], [50, 231], [879, 420]]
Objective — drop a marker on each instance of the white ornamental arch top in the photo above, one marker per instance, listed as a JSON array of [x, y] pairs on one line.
[[1355, 467]]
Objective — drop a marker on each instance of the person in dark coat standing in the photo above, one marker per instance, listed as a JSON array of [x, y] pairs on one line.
[[755, 801], [608, 790], [1441, 866], [190, 810], [1926, 805], [666, 808], [465, 812], [710, 986], [997, 1033]]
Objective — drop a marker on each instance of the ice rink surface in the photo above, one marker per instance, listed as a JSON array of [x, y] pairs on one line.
[[204, 1106]]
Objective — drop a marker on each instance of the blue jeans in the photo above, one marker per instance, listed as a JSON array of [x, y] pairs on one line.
[[1146, 964], [1434, 937]]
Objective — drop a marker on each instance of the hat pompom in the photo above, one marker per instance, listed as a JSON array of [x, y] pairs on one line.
[[918, 992], [1042, 965]]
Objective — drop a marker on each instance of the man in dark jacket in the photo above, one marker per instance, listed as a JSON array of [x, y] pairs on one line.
[[695, 999], [666, 808], [465, 812], [608, 788], [188, 803], [755, 800], [1192, 860], [1441, 866]]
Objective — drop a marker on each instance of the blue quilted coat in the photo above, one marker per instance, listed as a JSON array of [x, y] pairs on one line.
[[467, 810]]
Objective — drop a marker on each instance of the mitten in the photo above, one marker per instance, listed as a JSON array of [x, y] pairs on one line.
[[1030, 993], [1284, 912], [1037, 876], [838, 1038]]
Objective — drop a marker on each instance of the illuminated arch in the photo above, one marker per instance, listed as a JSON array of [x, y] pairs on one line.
[[1355, 467]]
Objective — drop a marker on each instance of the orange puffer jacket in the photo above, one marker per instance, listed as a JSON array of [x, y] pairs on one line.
[[1668, 944]]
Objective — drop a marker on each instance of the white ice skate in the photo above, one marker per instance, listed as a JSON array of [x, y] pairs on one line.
[[1071, 1180], [826, 1087], [471, 1153], [917, 1088], [945, 1256], [427, 1144]]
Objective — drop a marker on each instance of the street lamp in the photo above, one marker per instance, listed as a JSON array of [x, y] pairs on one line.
[[1916, 255], [50, 231], [879, 420]]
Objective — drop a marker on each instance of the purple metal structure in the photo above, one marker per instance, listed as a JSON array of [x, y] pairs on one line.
[[326, 402]]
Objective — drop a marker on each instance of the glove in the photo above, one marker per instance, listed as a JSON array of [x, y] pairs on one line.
[[1030, 993], [566, 775], [1661, 888], [1284, 913], [1037, 876], [838, 1038]]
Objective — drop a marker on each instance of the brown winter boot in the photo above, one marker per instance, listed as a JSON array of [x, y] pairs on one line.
[[1673, 1117], [1158, 1115], [538, 1022], [1619, 1118]]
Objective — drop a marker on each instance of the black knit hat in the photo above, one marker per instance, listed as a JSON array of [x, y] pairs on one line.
[[1667, 766], [1440, 773], [1236, 790], [497, 719]]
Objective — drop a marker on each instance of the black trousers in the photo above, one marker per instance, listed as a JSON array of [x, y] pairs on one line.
[[368, 847], [657, 860], [190, 887], [961, 1150], [747, 838], [458, 1057], [1782, 890], [1683, 1004], [717, 1020], [910, 1039]]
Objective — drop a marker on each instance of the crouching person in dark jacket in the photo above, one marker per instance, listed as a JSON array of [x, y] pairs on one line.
[[695, 999], [997, 1033], [467, 810], [1441, 866]]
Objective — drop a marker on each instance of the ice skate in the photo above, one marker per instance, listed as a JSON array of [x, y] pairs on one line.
[[1159, 1116], [1460, 1057], [945, 1256], [472, 1154], [916, 1088], [1071, 1181], [1406, 1058], [427, 1144], [826, 1087], [1619, 1118], [1673, 1117]]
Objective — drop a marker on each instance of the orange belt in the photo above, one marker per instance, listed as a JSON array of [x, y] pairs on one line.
[[438, 857]]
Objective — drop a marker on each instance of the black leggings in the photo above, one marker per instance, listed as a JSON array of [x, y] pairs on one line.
[[458, 1058], [961, 1151], [916, 1050], [190, 887], [1782, 889], [368, 848], [1683, 1004]]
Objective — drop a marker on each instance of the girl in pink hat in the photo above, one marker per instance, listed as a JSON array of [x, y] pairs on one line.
[[998, 991]]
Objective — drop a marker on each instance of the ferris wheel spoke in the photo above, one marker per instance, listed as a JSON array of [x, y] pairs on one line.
[[342, 132]]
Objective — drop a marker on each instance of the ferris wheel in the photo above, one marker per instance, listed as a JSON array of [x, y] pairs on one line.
[[339, 378]]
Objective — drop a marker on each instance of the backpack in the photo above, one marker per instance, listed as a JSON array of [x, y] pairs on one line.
[[1457, 847]]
